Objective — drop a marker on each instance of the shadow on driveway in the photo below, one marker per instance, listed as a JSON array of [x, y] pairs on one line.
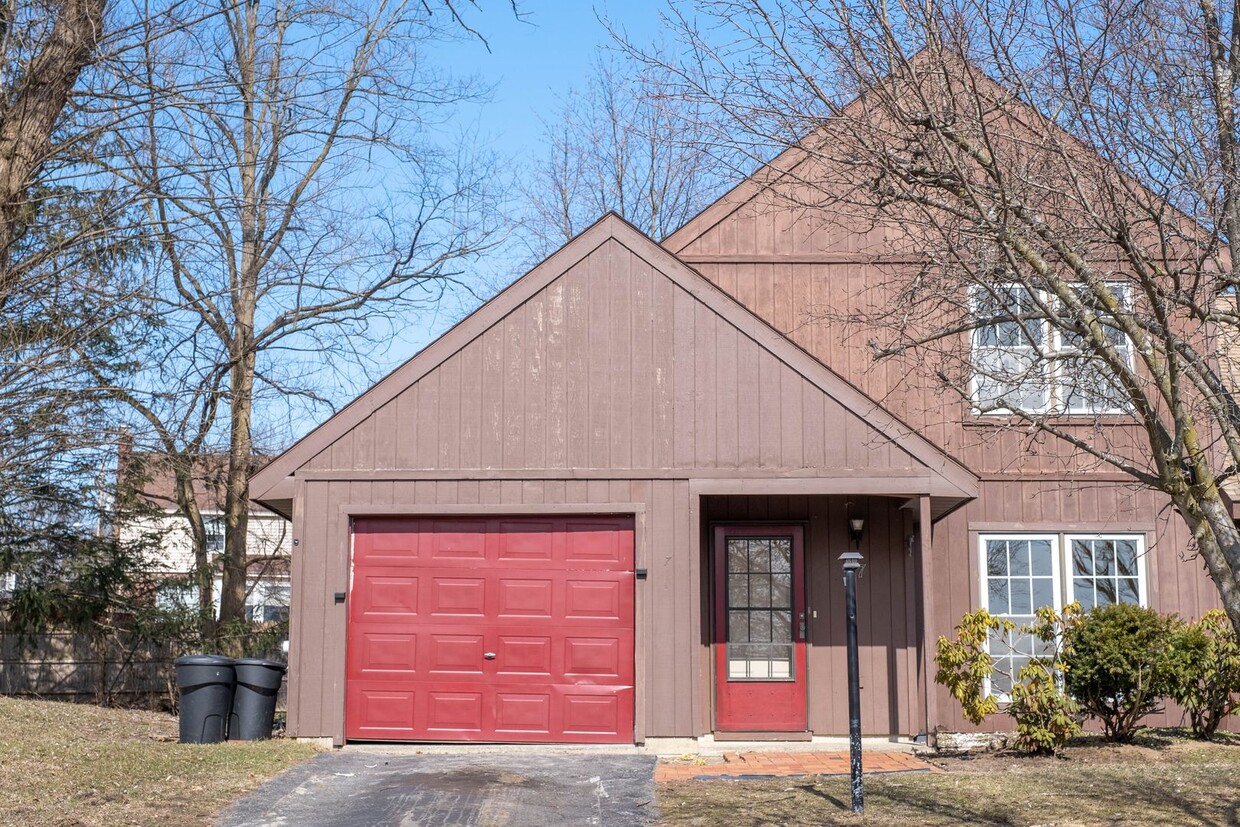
[[370, 789]]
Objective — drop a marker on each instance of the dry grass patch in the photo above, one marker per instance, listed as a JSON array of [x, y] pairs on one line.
[[73, 765], [1162, 780]]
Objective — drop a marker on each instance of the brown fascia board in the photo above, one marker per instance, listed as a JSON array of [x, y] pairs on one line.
[[948, 477]]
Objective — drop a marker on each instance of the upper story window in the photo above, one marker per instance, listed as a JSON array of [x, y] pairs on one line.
[[1023, 362]]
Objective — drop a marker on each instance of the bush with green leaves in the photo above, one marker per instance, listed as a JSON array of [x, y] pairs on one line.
[[1120, 665], [1207, 672], [1046, 718]]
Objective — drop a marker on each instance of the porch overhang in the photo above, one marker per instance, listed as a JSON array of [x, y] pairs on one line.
[[943, 494]]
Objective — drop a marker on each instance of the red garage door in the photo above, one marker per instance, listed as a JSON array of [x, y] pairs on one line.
[[491, 630]]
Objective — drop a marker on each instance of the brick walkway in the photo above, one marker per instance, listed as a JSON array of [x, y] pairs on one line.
[[779, 764]]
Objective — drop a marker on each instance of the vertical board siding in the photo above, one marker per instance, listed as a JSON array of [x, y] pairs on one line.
[[1176, 583], [889, 644], [613, 366], [671, 597]]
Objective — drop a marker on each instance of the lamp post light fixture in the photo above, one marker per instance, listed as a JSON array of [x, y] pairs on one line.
[[853, 561]]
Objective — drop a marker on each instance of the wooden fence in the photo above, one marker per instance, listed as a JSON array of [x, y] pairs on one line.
[[63, 666]]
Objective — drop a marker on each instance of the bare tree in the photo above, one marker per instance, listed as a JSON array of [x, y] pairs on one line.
[[1066, 178], [299, 210], [66, 299], [46, 47], [618, 145]]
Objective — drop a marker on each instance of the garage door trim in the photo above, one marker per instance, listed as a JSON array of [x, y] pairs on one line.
[[559, 522]]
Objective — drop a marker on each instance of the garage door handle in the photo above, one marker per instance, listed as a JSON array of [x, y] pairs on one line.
[[489, 656]]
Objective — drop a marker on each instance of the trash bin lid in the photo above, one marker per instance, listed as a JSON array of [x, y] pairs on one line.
[[203, 660], [270, 664]]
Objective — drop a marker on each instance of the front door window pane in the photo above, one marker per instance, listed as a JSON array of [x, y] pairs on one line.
[[760, 641]]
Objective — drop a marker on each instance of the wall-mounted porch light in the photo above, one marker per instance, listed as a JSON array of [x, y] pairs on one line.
[[856, 525]]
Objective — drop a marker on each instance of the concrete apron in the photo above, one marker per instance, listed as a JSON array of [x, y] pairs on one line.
[[361, 787], [705, 745]]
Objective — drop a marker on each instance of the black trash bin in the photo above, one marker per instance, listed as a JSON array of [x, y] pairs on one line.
[[206, 683], [254, 705]]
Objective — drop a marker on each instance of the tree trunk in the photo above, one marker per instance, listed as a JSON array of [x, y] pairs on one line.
[[187, 501], [1218, 543], [237, 491], [33, 109]]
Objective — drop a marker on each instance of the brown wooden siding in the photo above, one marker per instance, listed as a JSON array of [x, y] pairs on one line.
[[674, 671], [804, 275], [1176, 582], [611, 371], [668, 606], [887, 605], [613, 366]]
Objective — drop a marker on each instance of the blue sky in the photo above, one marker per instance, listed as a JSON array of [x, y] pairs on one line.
[[531, 65], [535, 60]]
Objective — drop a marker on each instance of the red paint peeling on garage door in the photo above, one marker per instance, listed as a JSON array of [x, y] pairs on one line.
[[499, 629]]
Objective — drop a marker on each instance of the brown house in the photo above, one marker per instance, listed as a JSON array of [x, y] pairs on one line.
[[609, 506]]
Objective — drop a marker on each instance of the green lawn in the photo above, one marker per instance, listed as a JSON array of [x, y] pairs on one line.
[[1164, 780], [73, 765]]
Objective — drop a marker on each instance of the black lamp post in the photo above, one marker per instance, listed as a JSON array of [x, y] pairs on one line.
[[853, 561]]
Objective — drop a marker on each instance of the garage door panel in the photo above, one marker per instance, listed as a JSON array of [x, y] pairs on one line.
[[551, 600], [386, 713], [527, 713], [392, 654], [448, 712], [379, 544], [524, 655], [456, 540], [385, 593], [456, 654], [596, 657], [525, 597], [527, 541], [590, 544], [458, 596], [597, 599], [586, 714]]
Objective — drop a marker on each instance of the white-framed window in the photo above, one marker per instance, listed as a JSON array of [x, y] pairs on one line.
[[1023, 362], [214, 528], [267, 602], [1022, 572], [176, 595]]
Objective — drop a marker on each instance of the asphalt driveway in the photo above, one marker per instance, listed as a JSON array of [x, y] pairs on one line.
[[355, 788]]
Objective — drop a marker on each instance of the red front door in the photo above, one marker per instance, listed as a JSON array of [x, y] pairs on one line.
[[759, 629], [501, 629]]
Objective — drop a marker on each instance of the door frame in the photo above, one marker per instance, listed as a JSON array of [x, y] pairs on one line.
[[717, 530]]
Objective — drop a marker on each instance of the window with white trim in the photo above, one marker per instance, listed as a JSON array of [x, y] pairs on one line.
[[267, 602], [1023, 362], [214, 528], [1024, 572]]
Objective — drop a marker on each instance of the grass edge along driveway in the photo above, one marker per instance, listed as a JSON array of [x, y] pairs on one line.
[[1164, 779], [76, 765]]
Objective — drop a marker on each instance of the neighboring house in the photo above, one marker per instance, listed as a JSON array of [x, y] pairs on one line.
[[609, 505], [268, 544]]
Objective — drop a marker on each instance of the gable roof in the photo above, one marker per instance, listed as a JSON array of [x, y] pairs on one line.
[[785, 164], [948, 477]]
